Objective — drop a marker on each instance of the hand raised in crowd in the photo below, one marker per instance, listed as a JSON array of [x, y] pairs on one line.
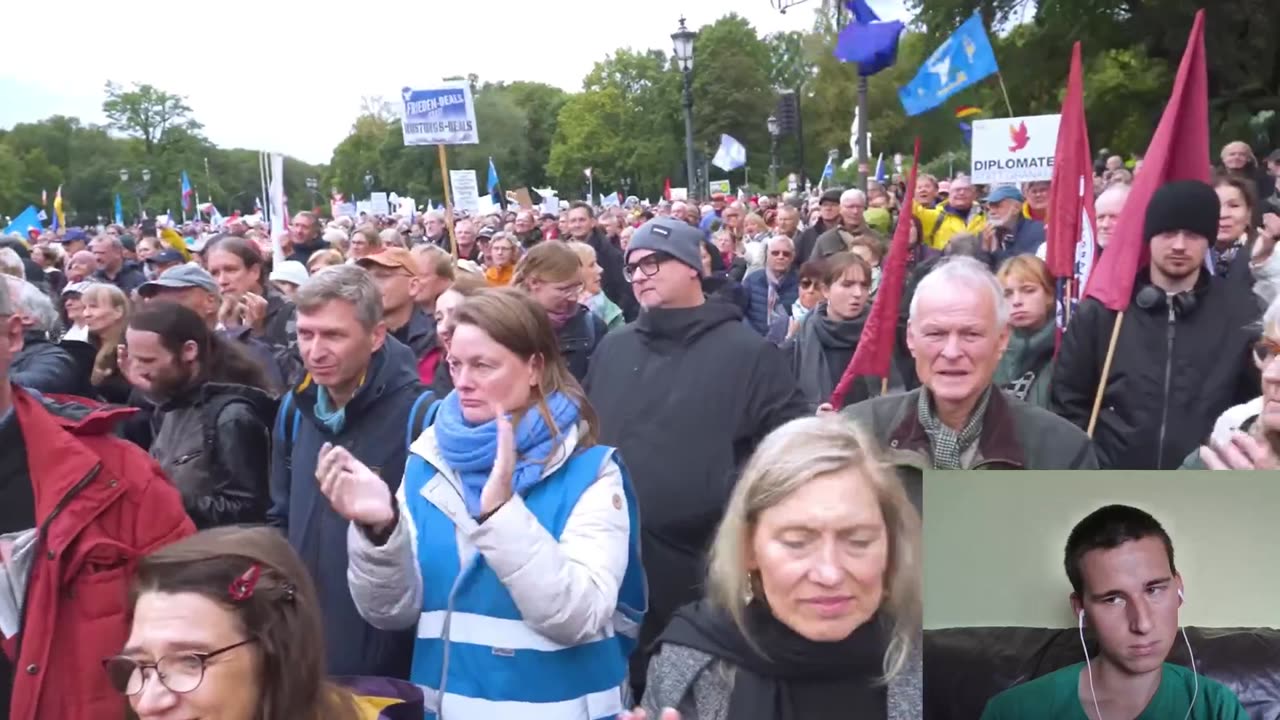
[[127, 370], [355, 492], [1242, 452], [1268, 234], [231, 313], [255, 312], [498, 488], [638, 714]]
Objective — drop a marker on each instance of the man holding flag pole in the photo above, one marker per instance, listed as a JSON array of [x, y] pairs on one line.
[[1159, 348]]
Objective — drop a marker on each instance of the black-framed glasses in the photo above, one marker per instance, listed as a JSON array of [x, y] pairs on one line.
[[647, 265], [180, 672], [1264, 351]]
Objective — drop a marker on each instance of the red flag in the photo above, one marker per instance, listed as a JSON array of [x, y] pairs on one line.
[[666, 190], [1071, 215], [1179, 150], [874, 353]]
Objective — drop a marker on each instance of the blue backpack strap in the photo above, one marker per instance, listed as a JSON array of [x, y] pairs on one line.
[[421, 415], [286, 430]]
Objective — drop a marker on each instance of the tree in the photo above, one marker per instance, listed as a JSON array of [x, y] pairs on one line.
[[148, 113], [731, 88], [588, 134], [541, 104]]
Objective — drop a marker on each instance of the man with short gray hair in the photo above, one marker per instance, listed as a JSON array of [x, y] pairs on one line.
[[360, 389], [108, 252], [38, 362], [852, 226], [957, 330]]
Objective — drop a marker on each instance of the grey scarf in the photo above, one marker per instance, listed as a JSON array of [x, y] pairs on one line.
[[813, 373], [946, 445]]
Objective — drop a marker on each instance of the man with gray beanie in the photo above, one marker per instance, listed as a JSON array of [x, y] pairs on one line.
[[1183, 355], [685, 392]]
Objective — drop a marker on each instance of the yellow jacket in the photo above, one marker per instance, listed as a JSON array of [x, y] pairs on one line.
[[938, 225]]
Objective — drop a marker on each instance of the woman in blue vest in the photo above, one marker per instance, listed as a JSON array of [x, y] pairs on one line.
[[513, 542]]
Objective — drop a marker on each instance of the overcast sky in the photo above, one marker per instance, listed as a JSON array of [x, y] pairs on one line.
[[299, 92]]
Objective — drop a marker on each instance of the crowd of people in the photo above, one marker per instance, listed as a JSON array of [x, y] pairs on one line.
[[575, 464]]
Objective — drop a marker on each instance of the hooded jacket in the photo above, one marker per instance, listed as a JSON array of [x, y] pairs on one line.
[[1174, 372], [221, 469], [686, 395], [374, 430], [44, 366], [101, 504]]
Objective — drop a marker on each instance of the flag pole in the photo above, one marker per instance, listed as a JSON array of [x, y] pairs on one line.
[[448, 202], [1004, 91], [1106, 370]]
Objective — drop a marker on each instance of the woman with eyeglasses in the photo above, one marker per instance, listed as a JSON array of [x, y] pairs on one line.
[[551, 273], [226, 624], [502, 248], [1247, 437], [512, 544], [772, 290]]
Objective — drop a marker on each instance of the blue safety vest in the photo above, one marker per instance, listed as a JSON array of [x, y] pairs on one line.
[[474, 656]]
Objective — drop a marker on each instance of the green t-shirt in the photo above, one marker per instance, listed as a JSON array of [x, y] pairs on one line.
[[1056, 697]]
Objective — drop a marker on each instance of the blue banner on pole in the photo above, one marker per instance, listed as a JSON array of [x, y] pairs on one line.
[[25, 221], [962, 60]]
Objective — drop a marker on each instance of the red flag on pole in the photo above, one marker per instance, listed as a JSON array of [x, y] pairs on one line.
[[1179, 150], [874, 354], [666, 190], [1071, 215]]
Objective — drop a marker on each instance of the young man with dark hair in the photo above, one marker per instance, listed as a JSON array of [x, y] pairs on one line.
[[1125, 586]]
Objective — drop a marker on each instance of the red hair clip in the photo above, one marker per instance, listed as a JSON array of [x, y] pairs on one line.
[[242, 587]]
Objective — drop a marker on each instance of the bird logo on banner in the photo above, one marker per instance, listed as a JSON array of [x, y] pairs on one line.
[[1019, 137]]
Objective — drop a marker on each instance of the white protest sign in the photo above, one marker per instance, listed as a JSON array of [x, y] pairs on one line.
[[550, 205], [407, 207], [364, 207], [380, 204], [441, 115], [720, 186], [348, 209], [466, 190], [679, 193], [1014, 150], [485, 205]]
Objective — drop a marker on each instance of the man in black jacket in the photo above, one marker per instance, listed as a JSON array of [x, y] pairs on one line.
[[212, 422], [582, 227], [40, 364], [399, 277], [1183, 353], [829, 218], [685, 392], [306, 237], [108, 252]]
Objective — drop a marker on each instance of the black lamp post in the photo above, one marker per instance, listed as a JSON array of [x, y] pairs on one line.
[[682, 40], [313, 185], [775, 132], [139, 188]]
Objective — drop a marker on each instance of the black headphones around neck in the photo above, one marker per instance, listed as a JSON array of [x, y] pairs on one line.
[[1151, 297]]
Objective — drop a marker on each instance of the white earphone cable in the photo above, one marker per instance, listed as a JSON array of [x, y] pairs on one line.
[[1089, 668]]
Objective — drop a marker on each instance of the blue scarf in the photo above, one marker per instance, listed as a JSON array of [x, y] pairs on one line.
[[332, 418], [470, 449]]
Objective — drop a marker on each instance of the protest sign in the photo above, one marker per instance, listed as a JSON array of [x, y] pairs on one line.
[[380, 204], [679, 193], [466, 190], [348, 209], [550, 205], [1014, 150], [486, 205], [443, 115], [364, 207], [720, 186], [523, 198]]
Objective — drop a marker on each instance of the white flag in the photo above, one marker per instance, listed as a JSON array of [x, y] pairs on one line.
[[731, 155], [587, 172]]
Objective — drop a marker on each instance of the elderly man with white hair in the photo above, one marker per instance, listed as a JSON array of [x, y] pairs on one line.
[[959, 214], [957, 330], [773, 289], [852, 226], [39, 363]]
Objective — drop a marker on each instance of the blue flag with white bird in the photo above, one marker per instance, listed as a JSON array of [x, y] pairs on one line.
[[960, 61]]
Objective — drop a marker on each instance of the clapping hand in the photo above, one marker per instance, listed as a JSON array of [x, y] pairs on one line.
[[497, 490], [1241, 452], [355, 492]]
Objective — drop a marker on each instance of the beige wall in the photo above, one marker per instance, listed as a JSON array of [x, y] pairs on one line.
[[994, 543]]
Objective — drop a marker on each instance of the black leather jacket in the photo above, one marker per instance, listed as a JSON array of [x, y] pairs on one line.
[[214, 444]]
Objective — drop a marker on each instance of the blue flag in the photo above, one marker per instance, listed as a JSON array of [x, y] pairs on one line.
[[119, 211], [967, 129], [880, 174], [493, 176], [25, 221], [962, 60], [186, 191], [829, 170], [868, 41]]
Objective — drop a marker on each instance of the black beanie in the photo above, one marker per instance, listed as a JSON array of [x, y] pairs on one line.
[[1188, 205]]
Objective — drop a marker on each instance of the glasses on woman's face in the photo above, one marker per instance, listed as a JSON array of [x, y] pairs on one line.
[[179, 673], [647, 265], [1264, 351], [806, 284]]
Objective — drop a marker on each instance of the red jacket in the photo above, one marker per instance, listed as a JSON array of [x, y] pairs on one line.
[[102, 503]]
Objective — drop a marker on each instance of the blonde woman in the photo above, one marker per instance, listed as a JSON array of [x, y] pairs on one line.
[[503, 250], [592, 294], [813, 607], [105, 314], [1026, 368], [322, 259], [552, 275], [364, 241]]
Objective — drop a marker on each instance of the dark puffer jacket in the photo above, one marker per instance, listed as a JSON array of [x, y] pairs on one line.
[[757, 286], [578, 340], [44, 366]]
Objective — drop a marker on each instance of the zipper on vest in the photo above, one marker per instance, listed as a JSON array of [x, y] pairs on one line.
[[41, 538], [1169, 333]]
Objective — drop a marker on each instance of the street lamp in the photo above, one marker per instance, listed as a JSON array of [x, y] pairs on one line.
[[775, 132], [312, 185], [682, 40], [139, 188]]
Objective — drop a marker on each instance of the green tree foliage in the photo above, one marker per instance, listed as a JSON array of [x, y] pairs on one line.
[[732, 93]]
